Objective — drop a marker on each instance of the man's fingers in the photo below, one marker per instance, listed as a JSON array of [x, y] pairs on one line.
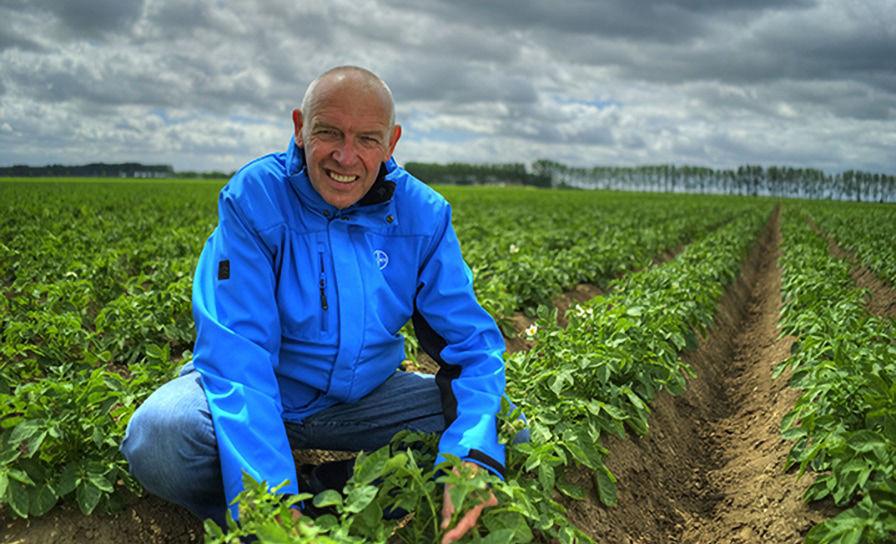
[[465, 524], [447, 509], [468, 521]]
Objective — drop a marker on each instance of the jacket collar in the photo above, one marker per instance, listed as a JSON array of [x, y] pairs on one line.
[[380, 193]]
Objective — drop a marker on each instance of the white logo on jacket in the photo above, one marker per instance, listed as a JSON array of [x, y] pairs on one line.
[[382, 260]]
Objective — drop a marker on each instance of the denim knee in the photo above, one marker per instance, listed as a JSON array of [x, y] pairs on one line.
[[149, 447], [170, 442], [136, 447]]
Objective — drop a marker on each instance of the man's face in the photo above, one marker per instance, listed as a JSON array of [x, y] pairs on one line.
[[346, 140]]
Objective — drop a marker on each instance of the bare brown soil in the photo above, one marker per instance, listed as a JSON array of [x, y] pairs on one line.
[[148, 520], [711, 470]]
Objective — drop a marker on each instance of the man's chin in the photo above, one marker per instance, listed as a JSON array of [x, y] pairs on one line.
[[341, 200]]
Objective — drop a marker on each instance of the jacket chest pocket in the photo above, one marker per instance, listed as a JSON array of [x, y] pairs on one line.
[[305, 298]]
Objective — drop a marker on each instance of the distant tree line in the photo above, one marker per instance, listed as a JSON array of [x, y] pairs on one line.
[[781, 181], [458, 173], [214, 174], [95, 169]]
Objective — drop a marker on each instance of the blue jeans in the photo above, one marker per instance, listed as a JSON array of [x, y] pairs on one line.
[[171, 448]]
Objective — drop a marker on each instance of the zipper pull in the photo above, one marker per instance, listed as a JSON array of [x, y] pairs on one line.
[[323, 283], [323, 295]]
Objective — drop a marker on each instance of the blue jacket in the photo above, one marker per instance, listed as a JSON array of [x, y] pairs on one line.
[[298, 307]]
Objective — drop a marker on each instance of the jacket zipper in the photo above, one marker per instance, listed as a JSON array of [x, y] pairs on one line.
[[323, 292]]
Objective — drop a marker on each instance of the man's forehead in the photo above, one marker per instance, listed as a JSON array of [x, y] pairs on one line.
[[344, 120], [365, 110]]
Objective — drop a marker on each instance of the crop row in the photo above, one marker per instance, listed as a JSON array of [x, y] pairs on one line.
[[577, 384], [868, 231], [844, 423]]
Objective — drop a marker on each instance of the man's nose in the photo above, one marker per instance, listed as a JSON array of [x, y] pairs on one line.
[[345, 152]]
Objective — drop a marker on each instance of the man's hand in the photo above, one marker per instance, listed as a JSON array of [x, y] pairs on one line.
[[294, 513], [470, 518]]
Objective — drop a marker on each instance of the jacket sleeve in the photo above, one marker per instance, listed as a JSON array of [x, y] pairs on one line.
[[465, 341], [236, 352]]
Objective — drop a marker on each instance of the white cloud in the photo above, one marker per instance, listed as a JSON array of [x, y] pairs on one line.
[[206, 85]]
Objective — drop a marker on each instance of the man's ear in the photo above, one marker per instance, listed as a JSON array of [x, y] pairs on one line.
[[297, 123], [393, 139]]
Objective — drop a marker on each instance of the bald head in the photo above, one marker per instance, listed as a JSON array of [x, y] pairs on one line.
[[353, 77], [347, 130]]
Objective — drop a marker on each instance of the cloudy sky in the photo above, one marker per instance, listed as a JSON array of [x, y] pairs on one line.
[[210, 84]]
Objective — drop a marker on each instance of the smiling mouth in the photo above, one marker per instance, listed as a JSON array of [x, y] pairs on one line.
[[339, 178]]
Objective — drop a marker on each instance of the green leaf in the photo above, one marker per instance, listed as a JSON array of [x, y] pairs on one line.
[[21, 476], [326, 498], [98, 436], [370, 467], [605, 483], [4, 483], [866, 441], [88, 497], [501, 536], [32, 444], [572, 491], [509, 521], [42, 500], [17, 498], [326, 521], [100, 482], [546, 478], [68, 479], [212, 530], [24, 430], [561, 380], [9, 454], [359, 497], [794, 433], [273, 533]]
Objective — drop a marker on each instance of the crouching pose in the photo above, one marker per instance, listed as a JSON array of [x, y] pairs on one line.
[[320, 255]]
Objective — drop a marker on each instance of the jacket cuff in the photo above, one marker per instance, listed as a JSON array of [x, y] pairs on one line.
[[487, 462], [482, 459]]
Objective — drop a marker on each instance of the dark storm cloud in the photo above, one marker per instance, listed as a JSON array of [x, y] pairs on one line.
[[171, 18], [458, 83], [91, 18], [109, 84], [10, 39], [644, 20]]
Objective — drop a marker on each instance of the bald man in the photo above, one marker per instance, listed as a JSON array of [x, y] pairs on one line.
[[320, 256]]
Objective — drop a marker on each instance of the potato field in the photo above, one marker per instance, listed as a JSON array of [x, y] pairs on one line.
[[694, 369]]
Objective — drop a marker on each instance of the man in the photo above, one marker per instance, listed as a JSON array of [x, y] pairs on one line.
[[320, 256]]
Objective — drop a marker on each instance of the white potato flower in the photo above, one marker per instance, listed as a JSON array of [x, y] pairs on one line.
[[531, 330]]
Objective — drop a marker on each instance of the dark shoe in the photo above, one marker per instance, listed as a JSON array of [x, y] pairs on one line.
[[318, 478]]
